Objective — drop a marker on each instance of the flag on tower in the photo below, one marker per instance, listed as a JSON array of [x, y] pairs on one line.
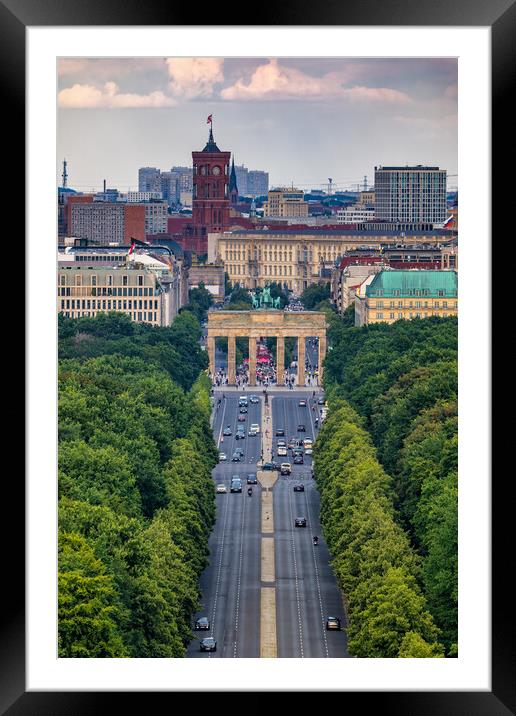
[[131, 249], [209, 121]]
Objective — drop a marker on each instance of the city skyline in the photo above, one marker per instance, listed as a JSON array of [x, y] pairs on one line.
[[303, 120]]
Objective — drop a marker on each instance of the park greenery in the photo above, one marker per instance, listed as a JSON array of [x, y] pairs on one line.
[[386, 465], [136, 498]]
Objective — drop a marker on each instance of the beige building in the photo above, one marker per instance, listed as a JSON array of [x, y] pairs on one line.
[[391, 295], [285, 203], [295, 257], [211, 275], [367, 197], [142, 286], [345, 282]]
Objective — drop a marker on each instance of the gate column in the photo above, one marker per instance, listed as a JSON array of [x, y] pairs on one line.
[[231, 360], [252, 360], [280, 360], [301, 357], [210, 341], [322, 353]]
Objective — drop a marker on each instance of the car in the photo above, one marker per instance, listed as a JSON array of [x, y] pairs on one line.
[[239, 435], [251, 479], [254, 399], [281, 451], [299, 488], [270, 466], [242, 402], [320, 401], [301, 428], [298, 459], [292, 443], [221, 489], [255, 427], [307, 442], [241, 418], [240, 451], [300, 522], [208, 644], [243, 410], [236, 485], [308, 451], [222, 457], [285, 468], [203, 623], [333, 623], [281, 443], [280, 432], [252, 433], [302, 403], [227, 431], [235, 457]]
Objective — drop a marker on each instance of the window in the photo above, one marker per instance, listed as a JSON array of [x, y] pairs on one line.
[[140, 281]]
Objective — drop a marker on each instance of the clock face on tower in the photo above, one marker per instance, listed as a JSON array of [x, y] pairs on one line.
[[216, 171]]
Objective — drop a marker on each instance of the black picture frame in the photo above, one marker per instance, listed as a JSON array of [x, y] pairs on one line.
[[500, 16]]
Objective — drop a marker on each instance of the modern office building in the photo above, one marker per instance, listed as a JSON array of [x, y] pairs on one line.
[[146, 287], [391, 295], [285, 202], [149, 179], [410, 194], [102, 222], [257, 183], [355, 215]]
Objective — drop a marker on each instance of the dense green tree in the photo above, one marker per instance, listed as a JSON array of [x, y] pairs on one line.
[[314, 294], [87, 616]]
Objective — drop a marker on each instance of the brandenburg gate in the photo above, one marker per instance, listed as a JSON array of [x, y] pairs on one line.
[[266, 323]]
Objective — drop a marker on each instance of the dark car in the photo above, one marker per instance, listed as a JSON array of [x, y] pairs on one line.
[[226, 431], [299, 488], [254, 399], [270, 466], [243, 410], [239, 435], [280, 432], [236, 485], [235, 457], [301, 428], [333, 623], [320, 401], [300, 522], [208, 644], [202, 623], [298, 459], [251, 479]]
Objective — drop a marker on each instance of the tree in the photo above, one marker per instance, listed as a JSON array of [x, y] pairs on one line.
[[314, 294]]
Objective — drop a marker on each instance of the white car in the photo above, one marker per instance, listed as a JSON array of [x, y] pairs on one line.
[[222, 456], [221, 489], [308, 451], [281, 451], [308, 442], [255, 428]]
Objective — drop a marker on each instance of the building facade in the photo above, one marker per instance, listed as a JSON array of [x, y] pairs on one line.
[[285, 202], [295, 257], [146, 289], [355, 215], [391, 295], [410, 194], [102, 222], [211, 275]]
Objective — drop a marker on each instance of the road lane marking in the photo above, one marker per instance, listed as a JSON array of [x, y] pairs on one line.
[[239, 578], [292, 541], [317, 579], [268, 573], [268, 638]]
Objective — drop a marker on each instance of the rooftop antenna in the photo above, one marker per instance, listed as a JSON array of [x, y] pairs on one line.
[[65, 175], [330, 182], [365, 182]]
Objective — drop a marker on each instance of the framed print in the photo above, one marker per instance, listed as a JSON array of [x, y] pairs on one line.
[[113, 88]]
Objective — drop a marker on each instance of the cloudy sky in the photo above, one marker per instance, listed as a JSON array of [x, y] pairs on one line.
[[302, 120]]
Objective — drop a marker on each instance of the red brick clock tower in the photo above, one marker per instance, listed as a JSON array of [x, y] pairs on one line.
[[210, 202]]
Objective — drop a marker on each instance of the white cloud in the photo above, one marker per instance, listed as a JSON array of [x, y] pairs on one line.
[[194, 77], [273, 81], [87, 97]]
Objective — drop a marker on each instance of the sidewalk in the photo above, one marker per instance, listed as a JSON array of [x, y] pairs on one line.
[[258, 389]]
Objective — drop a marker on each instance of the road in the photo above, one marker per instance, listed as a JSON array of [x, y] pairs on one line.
[[305, 587]]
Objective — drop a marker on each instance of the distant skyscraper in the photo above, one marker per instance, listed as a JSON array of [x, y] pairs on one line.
[[257, 183], [149, 179], [241, 178], [410, 194]]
